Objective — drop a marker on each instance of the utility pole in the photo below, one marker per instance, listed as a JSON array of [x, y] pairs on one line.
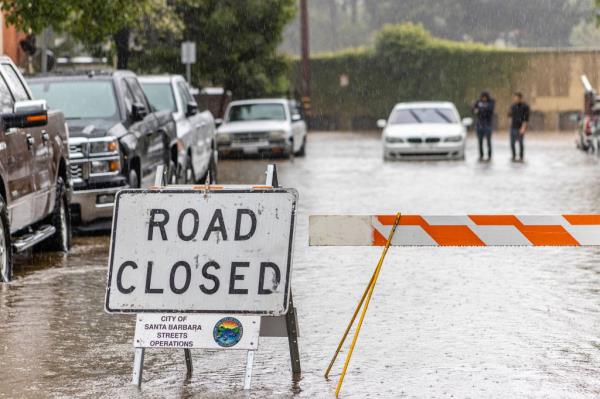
[[305, 63]]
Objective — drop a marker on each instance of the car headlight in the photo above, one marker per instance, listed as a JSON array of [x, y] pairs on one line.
[[105, 166], [394, 140], [276, 135], [105, 145], [453, 139], [223, 138]]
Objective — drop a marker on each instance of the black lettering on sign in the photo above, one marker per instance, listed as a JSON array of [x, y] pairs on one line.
[[158, 223], [212, 226], [274, 283], [150, 290], [188, 237], [209, 276], [120, 277], [188, 277], [237, 277], [238, 225]]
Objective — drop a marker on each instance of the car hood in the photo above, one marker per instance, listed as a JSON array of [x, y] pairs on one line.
[[424, 130], [252, 126], [95, 128]]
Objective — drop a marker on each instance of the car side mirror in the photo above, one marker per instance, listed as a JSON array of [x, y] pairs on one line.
[[296, 117], [192, 109], [30, 113], [218, 122], [381, 123], [467, 122], [138, 111]]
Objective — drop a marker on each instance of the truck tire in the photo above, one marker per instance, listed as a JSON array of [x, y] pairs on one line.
[[302, 151], [6, 258], [134, 181], [188, 172], [212, 169], [61, 220]]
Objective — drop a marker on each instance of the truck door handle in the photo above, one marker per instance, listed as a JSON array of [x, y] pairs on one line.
[[45, 137], [30, 141]]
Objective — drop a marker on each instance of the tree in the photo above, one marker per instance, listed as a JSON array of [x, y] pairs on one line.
[[237, 42], [90, 21]]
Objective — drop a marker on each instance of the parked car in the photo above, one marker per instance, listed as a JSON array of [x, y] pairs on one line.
[[116, 138], [34, 169], [271, 126], [196, 147], [420, 130]]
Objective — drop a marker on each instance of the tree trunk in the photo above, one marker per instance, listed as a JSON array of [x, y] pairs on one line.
[[121, 39]]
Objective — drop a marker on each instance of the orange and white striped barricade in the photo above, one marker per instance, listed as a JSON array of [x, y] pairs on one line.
[[460, 230]]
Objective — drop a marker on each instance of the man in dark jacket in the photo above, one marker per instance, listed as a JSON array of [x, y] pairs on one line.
[[519, 114], [484, 112]]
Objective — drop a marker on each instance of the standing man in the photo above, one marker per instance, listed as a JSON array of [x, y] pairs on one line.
[[519, 113], [484, 112]]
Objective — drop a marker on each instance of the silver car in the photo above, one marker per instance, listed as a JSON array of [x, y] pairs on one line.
[[273, 126]]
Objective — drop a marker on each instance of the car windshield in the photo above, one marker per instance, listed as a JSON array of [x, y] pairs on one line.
[[160, 96], [423, 115], [256, 112], [79, 99]]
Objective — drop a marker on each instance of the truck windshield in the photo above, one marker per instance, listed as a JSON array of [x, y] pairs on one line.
[[160, 96], [256, 112], [423, 115], [79, 99]]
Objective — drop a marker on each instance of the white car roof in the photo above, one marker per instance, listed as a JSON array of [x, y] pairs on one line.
[[260, 101], [425, 104], [158, 78]]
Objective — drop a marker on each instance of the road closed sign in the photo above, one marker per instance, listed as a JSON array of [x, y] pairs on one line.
[[191, 251]]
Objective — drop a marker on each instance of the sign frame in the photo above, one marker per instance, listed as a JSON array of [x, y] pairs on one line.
[[187, 190]]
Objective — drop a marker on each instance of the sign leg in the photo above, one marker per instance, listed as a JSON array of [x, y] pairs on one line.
[[248, 375], [292, 333], [188, 361], [138, 366]]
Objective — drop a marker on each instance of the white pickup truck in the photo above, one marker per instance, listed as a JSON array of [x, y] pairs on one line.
[[196, 146]]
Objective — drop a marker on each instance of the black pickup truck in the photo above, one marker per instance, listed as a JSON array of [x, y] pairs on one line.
[[116, 139]]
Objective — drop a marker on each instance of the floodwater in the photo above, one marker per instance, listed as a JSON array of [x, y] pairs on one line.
[[443, 323]]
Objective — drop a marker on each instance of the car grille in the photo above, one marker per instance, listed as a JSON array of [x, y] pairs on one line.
[[250, 137], [415, 140], [78, 148], [76, 171], [432, 140]]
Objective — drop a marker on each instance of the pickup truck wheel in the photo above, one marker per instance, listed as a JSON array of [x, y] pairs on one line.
[[188, 172], [212, 169], [302, 151], [5, 245], [134, 181], [61, 220]]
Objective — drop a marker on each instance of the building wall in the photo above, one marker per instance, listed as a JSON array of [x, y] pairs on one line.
[[9, 43]]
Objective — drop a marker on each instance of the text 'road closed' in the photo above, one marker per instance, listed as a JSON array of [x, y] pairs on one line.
[[190, 251]]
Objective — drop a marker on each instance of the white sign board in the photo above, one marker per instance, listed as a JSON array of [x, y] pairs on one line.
[[188, 52], [196, 331], [181, 250]]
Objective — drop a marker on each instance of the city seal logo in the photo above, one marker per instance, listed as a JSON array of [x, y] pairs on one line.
[[228, 331]]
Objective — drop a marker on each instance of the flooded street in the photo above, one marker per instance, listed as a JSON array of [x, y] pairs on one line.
[[443, 323]]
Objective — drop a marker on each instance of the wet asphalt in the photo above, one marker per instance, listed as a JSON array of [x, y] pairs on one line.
[[444, 322]]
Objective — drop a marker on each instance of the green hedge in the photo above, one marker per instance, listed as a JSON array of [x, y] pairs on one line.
[[405, 64]]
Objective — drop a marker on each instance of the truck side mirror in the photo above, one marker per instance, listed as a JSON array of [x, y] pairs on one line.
[[192, 108], [30, 113], [381, 123], [218, 122], [138, 111]]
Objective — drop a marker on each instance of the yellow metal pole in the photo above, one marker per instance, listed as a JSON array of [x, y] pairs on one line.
[[339, 347], [364, 310]]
